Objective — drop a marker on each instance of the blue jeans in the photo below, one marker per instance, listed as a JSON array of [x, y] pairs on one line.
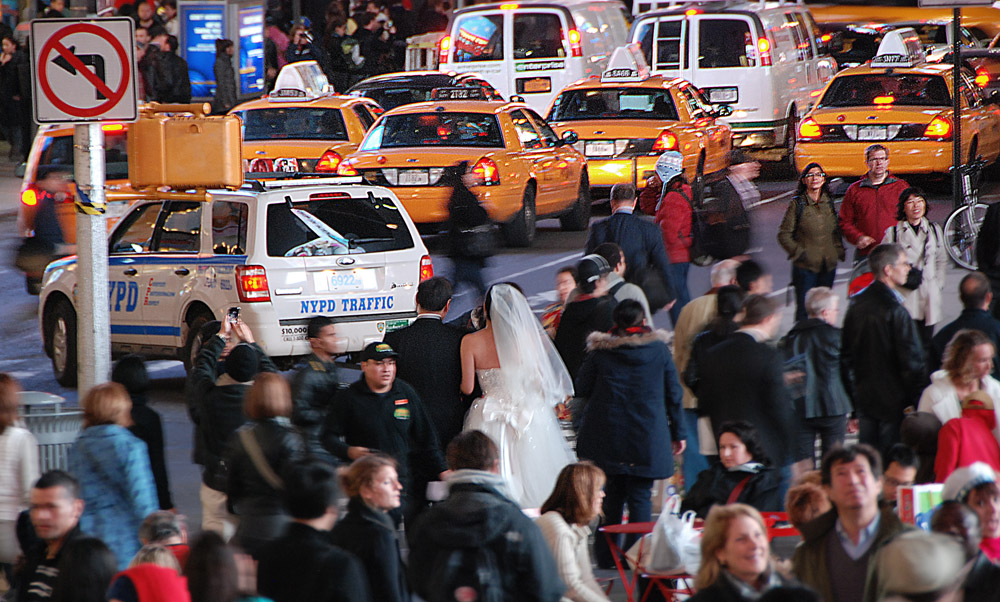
[[694, 462], [679, 280], [621, 490], [803, 280]]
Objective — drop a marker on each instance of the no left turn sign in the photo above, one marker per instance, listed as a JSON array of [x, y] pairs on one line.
[[83, 70]]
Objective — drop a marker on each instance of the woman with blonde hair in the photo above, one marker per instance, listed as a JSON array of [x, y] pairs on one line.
[[112, 465], [574, 503], [257, 454], [735, 557], [18, 471], [367, 531], [965, 369]]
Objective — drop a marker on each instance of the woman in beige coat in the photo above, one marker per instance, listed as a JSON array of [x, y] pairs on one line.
[[924, 244]]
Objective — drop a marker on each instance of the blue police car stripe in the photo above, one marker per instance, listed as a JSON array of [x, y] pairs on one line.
[[161, 331]]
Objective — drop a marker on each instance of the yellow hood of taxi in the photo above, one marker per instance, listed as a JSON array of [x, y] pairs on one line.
[[632, 128], [869, 116], [298, 149]]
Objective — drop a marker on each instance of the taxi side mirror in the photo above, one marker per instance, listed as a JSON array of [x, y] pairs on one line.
[[723, 111], [570, 137]]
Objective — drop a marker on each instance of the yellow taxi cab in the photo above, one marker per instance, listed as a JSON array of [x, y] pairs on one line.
[[524, 171], [903, 103], [981, 20], [302, 126], [626, 119]]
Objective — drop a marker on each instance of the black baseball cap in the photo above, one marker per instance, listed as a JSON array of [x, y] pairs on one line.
[[377, 352]]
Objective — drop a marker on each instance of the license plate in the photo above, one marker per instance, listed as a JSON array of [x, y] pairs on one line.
[[413, 177], [538, 85], [286, 164], [872, 132], [345, 281], [723, 95], [600, 149]]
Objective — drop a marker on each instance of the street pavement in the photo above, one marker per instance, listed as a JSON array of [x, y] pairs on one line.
[[534, 269]]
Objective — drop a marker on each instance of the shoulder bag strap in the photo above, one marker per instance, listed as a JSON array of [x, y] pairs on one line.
[[735, 493], [256, 454]]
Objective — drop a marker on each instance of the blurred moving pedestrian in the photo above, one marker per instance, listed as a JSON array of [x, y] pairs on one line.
[[823, 405], [15, 94], [167, 529], [152, 576], [673, 215], [925, 247], [302, 47], [917, 566], [565, 523], [112, 464], [810, 234], [303, 564], [737, 194], [217, 572], [471, 235], [18, 471], [565, 285], [870, 205], [804, 502], [86, 567], [618, 288], [753, 278], [728, 304], [55, 514], [130, 372], [256, 455], [589, 311], [632, 425], [742, 474], [968, 361], [976, 485], [736, 563], [982, 577], [976, 296], [226, 95], [316, 384], [367, 531], [881, 354]]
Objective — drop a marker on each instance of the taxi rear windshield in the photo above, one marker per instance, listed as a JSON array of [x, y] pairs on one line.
[[339, 224], [436, 129], [299, 123], [886, 90], [615, 103]]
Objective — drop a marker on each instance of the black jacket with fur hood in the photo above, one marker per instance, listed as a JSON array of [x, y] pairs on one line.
[[633, 410]]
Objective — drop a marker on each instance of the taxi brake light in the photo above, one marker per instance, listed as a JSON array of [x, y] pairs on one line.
[[574, 43], [667, 140], [443, 47], [508, 7], [329, 162], [884, 100], [346, 169], [982, 77], [113, 127], [764, 47], [426, 268], [251, 283], [826, 37], [939, 127], [810, 129], [692, 12], [486, 172], [29, 197]]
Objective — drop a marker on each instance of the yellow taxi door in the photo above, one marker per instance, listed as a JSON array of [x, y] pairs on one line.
[[978, 121], [539, 156], [562, 172]]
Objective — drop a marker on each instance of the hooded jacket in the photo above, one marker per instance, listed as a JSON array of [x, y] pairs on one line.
[[962, 441], [941, 399], [476, 514], [633, 411]]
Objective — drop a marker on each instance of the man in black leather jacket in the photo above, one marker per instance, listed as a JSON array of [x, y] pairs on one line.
[[882, 360], [316, 384]]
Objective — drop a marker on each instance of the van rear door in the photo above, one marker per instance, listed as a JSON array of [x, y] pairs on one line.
[[664, 43], [728, 61], [543, 52]]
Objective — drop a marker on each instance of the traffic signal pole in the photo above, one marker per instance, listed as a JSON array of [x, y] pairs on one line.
[[93, 329], [956, 81]]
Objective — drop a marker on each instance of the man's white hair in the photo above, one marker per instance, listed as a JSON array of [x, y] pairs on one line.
[[724, 272]]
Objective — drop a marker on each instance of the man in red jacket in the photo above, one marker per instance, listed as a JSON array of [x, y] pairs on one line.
[[968, 439], [869, 205]]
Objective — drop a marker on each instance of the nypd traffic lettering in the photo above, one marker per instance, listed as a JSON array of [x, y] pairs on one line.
[[357, 304], [123, 295]]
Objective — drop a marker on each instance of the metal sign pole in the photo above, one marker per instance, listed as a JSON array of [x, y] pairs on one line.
[[956, 80], [93, 316]]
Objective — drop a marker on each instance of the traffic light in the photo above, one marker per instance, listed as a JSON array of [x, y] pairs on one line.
[[184, 151]]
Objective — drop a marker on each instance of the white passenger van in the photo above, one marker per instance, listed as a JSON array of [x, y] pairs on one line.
[[761, 59], [534, 48]]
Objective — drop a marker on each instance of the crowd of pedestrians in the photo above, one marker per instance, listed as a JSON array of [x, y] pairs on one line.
[[419, 479]]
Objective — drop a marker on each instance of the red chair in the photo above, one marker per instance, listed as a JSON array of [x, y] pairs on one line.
[[618, 555], [778, 526]]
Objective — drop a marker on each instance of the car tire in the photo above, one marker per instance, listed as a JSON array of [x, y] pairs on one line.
[[520, 231], [61, 335], [577, 218], [193, 342]]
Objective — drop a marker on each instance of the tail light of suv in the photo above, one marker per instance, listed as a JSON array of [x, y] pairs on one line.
[[251, 283]]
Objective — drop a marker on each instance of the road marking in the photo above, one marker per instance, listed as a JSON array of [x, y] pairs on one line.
[[562, 259]]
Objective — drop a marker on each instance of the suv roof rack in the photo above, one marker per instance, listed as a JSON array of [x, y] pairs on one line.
[[280, 180]]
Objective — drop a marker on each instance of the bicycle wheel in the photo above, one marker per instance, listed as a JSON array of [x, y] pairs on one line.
[[960, 232]]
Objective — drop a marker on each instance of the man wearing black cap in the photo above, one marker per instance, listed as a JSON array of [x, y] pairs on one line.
[[589, 311], [379, 413]]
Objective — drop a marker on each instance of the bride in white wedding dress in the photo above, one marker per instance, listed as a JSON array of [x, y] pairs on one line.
[[522, 379]]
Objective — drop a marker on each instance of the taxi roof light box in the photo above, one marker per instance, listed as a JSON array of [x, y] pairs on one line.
[[185, 152]]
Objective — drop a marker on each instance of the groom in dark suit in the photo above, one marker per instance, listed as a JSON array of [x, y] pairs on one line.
[[640, 239], [429, 358]]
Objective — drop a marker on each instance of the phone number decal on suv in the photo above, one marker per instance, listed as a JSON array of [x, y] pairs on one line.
[[347, 305], [293, 333]]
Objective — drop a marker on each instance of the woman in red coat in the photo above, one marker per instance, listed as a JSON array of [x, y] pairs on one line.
[[674, 218]]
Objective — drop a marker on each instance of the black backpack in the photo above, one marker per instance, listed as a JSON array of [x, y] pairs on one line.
[[467, 574]]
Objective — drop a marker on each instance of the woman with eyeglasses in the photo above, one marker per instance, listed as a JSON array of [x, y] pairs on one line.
[[810, 235], [924, 244]]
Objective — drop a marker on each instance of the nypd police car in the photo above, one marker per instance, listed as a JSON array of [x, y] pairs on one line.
[[280, 251]]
